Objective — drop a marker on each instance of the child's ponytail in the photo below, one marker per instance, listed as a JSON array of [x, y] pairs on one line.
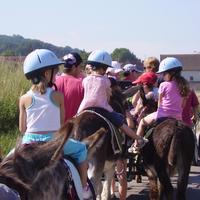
[[41, 87], [182, 83]]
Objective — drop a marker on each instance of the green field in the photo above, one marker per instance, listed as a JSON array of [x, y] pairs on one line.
[[13, 84]]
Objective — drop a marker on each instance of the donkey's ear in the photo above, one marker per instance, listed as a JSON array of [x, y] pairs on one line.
[[93, 139], [62, 135]]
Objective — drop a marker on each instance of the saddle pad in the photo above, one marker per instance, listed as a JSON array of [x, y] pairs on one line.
[[76, 178], [151, 128], [117, 138]]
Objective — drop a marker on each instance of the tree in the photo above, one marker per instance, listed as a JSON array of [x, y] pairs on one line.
[[124, 56]]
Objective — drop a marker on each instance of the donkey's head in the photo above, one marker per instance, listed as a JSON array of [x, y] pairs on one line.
[[36, 170]]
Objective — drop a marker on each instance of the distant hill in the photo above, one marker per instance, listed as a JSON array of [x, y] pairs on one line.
[[17, 45], [14, 46]]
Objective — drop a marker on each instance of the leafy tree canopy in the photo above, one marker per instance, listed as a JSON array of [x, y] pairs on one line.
[[125, 56]]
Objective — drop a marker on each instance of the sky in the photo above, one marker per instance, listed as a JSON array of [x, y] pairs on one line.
[[145, 27]]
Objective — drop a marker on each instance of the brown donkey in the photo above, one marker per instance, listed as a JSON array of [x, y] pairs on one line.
[[170, 150]]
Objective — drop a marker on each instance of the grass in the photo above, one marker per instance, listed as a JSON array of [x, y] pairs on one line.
[[13, 84], [8, 141]]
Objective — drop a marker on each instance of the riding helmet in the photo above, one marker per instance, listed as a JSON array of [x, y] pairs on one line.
[[170, 63]]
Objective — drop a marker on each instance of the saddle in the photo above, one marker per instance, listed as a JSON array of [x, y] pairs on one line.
[[150, 129], [117, 138]]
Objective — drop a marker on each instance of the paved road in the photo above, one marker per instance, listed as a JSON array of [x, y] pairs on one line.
[[139, 191]]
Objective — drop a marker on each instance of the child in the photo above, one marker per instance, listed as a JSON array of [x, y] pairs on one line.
[[151, 64], [42, 108], [171, 95], [97, 91], [147, 80]]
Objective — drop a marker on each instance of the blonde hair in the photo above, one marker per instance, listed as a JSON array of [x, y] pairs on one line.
[[153, 62], [41, 87]]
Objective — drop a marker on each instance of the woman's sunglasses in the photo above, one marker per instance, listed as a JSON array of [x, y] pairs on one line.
[[148, 67]]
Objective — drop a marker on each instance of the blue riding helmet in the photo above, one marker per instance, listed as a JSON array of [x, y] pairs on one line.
[[169, 63], [38, 60], [100, 57]]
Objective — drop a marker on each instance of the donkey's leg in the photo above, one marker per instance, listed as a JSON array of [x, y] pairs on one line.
[[166, 187], [153, 187], [160, 190], [95, 173], [183, 174], [109, 173]]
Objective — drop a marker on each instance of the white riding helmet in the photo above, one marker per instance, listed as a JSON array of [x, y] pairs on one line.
[[39, 59], [100, 57], [168, 64]]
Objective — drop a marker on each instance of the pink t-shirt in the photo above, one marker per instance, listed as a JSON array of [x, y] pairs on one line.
[[171, 105], [96, 89], [191, 103], [73, 92]]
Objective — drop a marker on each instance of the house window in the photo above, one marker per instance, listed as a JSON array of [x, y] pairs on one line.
[[191, 78]]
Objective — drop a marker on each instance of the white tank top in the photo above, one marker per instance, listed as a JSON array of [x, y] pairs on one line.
[[42, 114]]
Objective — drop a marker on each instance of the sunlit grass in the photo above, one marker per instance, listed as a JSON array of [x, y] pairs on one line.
[[8, 140], [13, 84]]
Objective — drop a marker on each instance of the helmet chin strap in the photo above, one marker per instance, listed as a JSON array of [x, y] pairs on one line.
[[50, 83]]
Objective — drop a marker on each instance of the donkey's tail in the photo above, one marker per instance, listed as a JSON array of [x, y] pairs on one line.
[[175, 144], [172, 154], [182, 144]]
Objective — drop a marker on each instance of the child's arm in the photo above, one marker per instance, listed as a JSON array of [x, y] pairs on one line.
[[135, 98], [58, 98], [160, 96], [22, 115], [62, 110], [109, 93]]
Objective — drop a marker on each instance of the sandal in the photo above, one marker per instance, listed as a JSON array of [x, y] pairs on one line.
[[140, 144]]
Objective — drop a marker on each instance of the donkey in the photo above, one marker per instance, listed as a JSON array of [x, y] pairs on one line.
[[102, 158], [170, 150], [38, 171]]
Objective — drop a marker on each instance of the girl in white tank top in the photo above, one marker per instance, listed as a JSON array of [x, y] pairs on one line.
[[42, 108]]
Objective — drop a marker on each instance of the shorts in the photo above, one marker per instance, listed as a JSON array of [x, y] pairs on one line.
[[116, 118], [73, 148]]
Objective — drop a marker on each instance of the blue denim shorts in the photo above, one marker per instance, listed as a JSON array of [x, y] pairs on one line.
[[73, 148], [116, 118]]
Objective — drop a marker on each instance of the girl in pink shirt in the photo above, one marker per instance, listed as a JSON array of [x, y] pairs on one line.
[[97, 91], [171, 95]]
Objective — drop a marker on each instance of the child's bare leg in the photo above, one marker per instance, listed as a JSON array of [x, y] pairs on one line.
[[128, 131], [144, 122], [122, 188], [129, 120]]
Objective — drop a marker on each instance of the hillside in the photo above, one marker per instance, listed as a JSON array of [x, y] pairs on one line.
[[17, 45]]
